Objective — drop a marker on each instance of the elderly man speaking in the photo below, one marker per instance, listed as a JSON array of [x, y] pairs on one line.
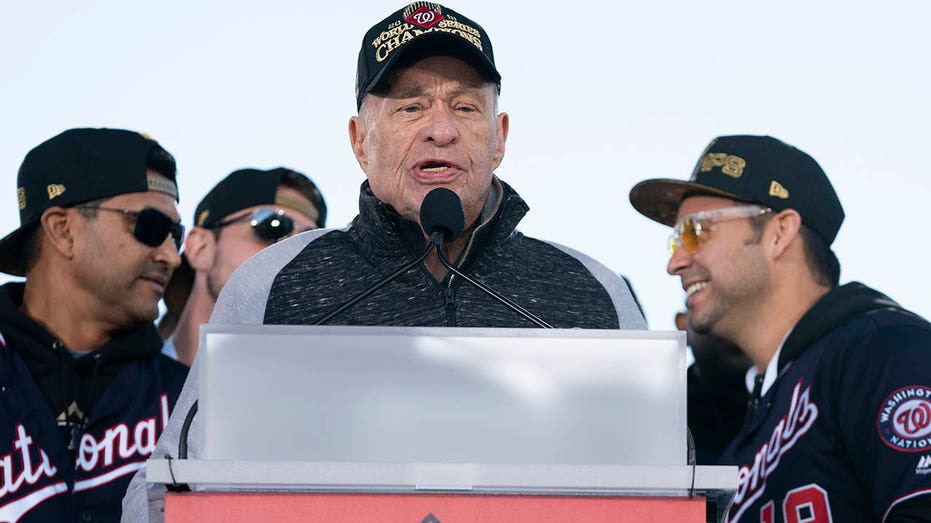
[[427, 93]]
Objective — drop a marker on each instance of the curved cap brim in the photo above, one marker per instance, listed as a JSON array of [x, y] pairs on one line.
[[659, 199]]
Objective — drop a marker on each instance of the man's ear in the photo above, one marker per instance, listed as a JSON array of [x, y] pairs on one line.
[[782, 230], [200, 248], [502, 125], [357, 136], [60, 227]]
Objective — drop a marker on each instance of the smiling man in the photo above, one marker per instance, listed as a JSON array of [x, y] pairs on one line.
[[839, 423], [81, 358]]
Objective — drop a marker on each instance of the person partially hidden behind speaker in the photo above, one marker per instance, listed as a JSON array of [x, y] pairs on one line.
[[717, 391], [245, 212], [428, 118]]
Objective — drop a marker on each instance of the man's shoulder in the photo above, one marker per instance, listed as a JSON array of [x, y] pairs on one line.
[[243, 297]]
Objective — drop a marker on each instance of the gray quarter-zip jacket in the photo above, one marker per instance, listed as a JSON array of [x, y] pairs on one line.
[[299, 280]]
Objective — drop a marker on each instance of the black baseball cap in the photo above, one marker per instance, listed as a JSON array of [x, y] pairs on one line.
[[421, 29], [77, 166], [755, 169], [250, 187], [240, 190]]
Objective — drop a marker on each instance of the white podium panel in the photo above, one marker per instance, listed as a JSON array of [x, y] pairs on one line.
[[442, 395]]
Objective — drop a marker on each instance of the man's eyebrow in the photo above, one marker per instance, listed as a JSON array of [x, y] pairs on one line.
[[413, 91]]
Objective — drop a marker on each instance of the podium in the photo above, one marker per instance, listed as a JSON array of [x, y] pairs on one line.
[[438, 425]]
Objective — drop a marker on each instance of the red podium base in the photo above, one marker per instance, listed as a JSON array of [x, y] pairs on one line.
[[207, 507]]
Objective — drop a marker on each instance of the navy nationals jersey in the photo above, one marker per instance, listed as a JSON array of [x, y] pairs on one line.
[[844, 433], [41, 479]]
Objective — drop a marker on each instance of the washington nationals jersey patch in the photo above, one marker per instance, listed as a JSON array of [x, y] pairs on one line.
[[904, 420]]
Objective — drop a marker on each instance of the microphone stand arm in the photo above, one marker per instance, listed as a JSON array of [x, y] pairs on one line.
[[370, 290]]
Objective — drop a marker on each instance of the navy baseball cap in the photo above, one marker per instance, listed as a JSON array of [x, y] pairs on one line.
[[80, 165], [421, 29], [755, 169]]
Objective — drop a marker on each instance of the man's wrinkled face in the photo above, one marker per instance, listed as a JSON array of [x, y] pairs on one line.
[[435, 127]]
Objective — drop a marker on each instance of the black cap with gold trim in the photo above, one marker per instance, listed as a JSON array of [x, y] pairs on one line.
[[250, 187], [424, 27], [77, 166], [240, 190], [758, 169]]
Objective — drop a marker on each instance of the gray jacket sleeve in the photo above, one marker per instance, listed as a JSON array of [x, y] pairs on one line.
[[629, 315]]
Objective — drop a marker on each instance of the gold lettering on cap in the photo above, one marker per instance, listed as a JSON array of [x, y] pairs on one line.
[[730, 164], [21, 197], [202, 217], [55, 190], [776, 189], [390, 40]]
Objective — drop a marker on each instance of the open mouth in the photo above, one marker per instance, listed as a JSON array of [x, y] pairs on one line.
[[434, 167]]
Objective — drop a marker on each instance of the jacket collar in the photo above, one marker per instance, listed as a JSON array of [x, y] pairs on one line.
[[383, 233]]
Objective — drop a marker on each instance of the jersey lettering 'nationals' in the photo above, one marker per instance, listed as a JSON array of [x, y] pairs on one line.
[[28, 477], [78, 471], [843, 433]]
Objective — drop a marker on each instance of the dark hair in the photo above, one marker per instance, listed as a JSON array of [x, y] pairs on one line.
[[822, 262], [310, 191], [161, 161]]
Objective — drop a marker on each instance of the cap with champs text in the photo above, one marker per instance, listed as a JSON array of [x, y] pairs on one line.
[[421, 28], [757, 169], [80, 165]]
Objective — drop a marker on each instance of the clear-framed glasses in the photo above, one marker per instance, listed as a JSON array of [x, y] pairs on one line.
[[269, 224], [693, 230], [152, 225]]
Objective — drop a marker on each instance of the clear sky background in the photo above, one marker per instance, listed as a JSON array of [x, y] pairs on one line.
[[601, 95]]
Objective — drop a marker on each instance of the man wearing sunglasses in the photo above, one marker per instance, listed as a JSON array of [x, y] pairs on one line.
[[244, 213], [839, 422], [85, 390]]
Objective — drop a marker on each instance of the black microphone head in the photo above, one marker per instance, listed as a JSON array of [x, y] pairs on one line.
[[441, 211]]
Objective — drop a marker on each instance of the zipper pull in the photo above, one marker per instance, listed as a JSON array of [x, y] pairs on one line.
[[449, 297], [757, 392]]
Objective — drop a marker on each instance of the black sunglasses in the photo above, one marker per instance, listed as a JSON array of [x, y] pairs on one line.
[[152, 226], [269, 224]]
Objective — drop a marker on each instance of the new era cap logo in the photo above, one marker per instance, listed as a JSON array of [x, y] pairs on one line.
[[21, 197], [55, 190], [776, 189], [924, 465], [426, 17]]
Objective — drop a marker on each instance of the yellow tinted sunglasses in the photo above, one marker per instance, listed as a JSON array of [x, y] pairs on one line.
[[692, 231]]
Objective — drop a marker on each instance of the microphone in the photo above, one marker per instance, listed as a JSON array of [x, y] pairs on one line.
[[442, 218], [441, 214]]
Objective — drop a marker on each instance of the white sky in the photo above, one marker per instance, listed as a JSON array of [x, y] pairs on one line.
[[601, 95]]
